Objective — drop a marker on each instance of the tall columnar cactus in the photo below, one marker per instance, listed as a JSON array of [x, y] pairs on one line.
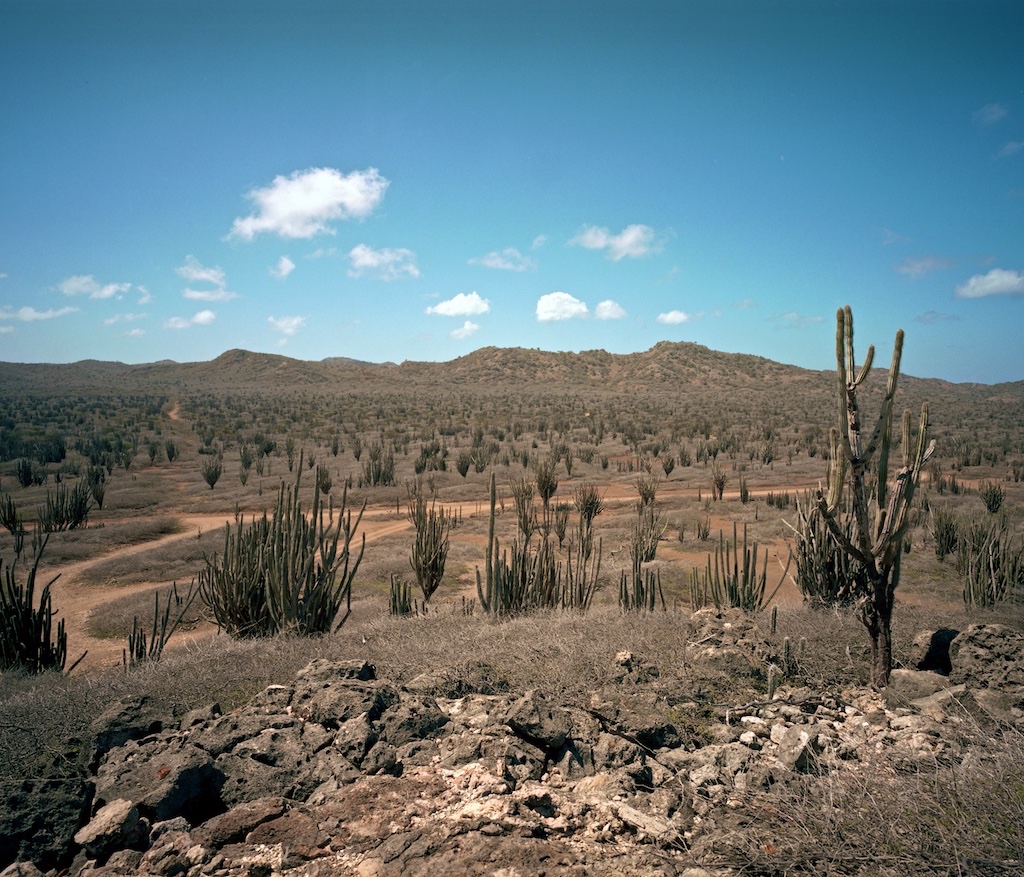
[[880, 508]]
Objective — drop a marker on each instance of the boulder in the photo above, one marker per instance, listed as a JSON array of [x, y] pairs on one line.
[[116, 826]]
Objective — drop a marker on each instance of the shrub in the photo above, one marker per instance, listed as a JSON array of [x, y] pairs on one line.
[[171, 449], [379, 468], [67, 510], [286, 573], [992, 494], [211, 469], [945, 531], [28, 640]]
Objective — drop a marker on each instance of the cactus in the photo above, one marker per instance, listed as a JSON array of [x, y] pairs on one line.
[[400, 600], [28, 640], [430, 550], [142, 648], [826, 575], [640, 590], [880, 515], [730, 584], [284, 573]]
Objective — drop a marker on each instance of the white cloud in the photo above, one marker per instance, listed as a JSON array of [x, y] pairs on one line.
[[539, 242], [509, 259], [633, 241], [284, 267], [673, 318], [6, 330], [744, 304], [135, 333], [209, 294], [195, 272], [990, 114], [31, 315], [461, 305], [465, 330], [931, 317], [798, 321], [609, 310], [86, 284], [287, 326], [1011, 148], [998, 281], [386, 264], [128, 318], [301, 204], [145, 297], [919, 267], [201, 318], [559, 306]]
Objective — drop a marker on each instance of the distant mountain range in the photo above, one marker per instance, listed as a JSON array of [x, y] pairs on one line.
[[666, 367]]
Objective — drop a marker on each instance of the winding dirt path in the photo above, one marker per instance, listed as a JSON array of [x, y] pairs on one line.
[[76, 601]]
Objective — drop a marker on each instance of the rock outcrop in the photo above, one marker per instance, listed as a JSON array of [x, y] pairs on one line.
[[342, 773]]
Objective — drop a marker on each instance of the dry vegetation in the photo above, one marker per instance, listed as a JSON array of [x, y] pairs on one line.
[[678, 412]]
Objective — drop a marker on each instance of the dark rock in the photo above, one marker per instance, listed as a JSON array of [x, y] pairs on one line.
[[235, 825], [906, 686], [331, 704], [415, 717], [21, 869], [930, 650], [39, 818], [129, 719], [536, 721], [164, 779]]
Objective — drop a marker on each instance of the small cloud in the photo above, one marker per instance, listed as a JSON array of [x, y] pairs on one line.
[[744, 304], [559, 306], [6, 330], [990, 114], [86, 284], [323, 253], [891, 237], [283, 268], [31, 315], [301, 204], [461, 305], [465, 330], [633, 241], [287, 326], [930, 317], [609, 310], [1011, 148], [195, 272], [201, 318], [135, 333], [386, 264], [539, 242], [998, 281], [509, 259], [919, 267], [145, 297], [673, 318], [128, 318], [209, 295], [798, 321]]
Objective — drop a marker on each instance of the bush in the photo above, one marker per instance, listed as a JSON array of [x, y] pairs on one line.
[[285, 573]]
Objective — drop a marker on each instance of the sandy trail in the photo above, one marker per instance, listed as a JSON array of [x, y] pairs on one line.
[[76, 602]]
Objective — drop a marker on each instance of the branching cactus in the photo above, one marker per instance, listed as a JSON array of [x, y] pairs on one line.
[[880, 508]]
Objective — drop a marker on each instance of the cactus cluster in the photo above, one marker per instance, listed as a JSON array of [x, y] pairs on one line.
[[734, 581], [288, 572]]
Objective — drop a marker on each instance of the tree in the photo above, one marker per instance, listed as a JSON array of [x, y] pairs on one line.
[[879, 509]]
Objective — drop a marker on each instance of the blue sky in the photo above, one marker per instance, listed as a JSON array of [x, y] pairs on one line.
[[415, 180]]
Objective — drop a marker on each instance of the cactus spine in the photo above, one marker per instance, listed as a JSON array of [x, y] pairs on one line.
[[880, 509]]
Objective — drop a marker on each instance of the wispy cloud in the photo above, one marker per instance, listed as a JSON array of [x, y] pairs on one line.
[[920, 267], [31, 315], [930, 317], [465, 330], [135, 333], [386, 264], [301, 204], [632, 242], [195, 271], [795, 320], [990, 114], [145, 297], [609, 310], [201, 318], [673, 318], [461, 305], [890, 237], [127, 318], [288, 327], [509, 259], [744, 304], [86, 284], [539, 242], [559, 306], [283, 268], [998, 281], [1011, 148]]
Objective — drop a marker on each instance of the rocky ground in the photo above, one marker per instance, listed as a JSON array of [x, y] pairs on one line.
[[342, 773]]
